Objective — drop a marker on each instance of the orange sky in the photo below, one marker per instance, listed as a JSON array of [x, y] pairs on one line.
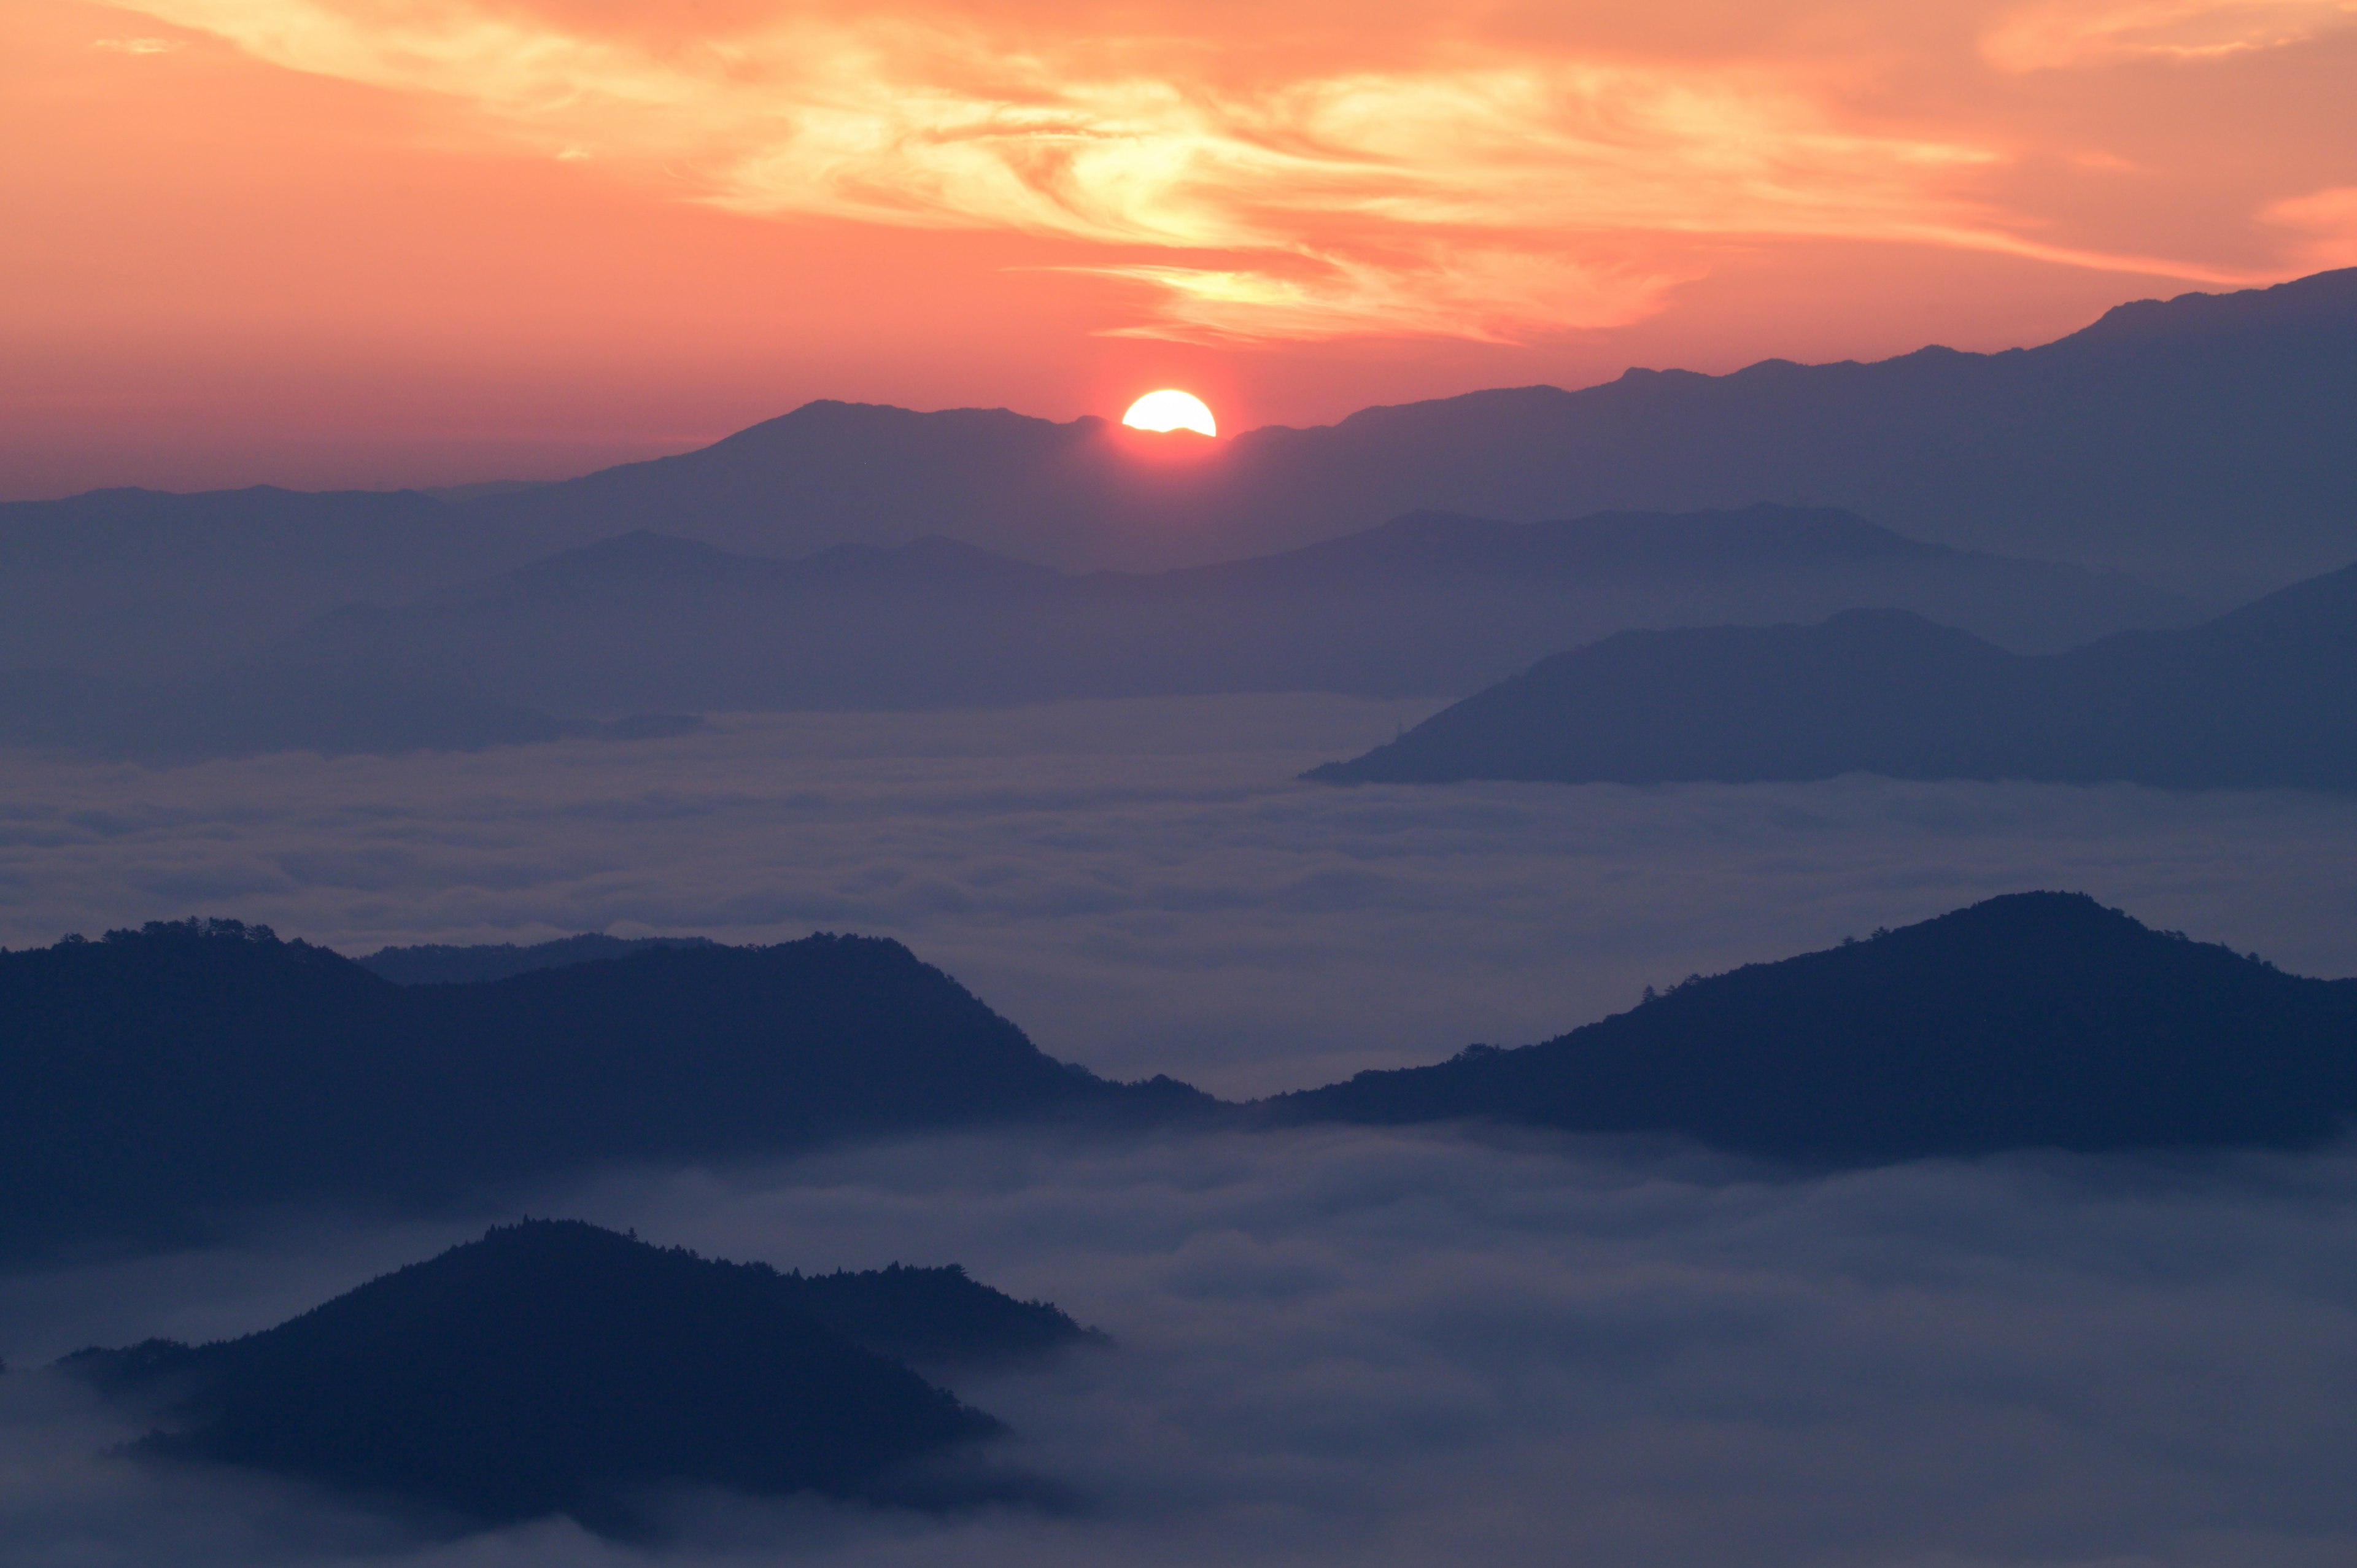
[[384, 241]]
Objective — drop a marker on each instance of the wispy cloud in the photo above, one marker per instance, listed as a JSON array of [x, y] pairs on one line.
[[2329, 217], [2073, 33], [1452, 189]]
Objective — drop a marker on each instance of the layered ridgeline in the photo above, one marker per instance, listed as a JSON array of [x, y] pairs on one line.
[[1426, 605], [2037, 1020], [2263, 696], [160, 1075], [161, 1079], [552, 1367], [2202, 434], [442, 964]]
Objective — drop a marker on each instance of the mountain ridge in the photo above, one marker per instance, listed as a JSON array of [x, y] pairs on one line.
[[2152, 438], [552, 1367], [2030, 1020], [2262, 696]]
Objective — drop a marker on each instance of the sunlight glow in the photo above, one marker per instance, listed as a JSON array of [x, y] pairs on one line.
[[1171, 410]]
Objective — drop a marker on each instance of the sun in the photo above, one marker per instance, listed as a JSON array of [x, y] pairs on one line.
[[1171, 410]]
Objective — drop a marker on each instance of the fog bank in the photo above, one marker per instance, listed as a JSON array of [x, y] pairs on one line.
[[1143, 886], [1373, 1347]]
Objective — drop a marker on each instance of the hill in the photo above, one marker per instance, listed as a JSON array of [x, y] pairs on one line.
[[2266, 697], [2039, 1020], [161, 1077], [555, 1368], [2201, 438]]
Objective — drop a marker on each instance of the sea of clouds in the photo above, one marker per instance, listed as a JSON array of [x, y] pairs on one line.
[[1380, 1348], [1144, 885], [1334, 1345]]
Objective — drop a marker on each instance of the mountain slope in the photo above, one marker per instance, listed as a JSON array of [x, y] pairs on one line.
[[2034, 1020], [2191, 437], [2266, 697], [159, 1077], [547, 1367]]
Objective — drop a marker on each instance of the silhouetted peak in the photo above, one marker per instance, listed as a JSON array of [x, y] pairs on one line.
[[2320, 299], [550, 1365], [2326, 604], [834, 418]]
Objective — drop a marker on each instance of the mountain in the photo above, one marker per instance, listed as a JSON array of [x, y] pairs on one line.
[[2202, 439], [2263, 697], [1427, 604], [162, 1077], [933, 1318], [2037, 1020], [437, 963], [119, 580], [552, 1367]]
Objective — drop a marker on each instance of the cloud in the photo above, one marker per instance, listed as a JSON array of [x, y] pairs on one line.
[[1440, 185], [2329, 217], [139, 45], [1141, 886], [1385, 1348], [2077, 34]]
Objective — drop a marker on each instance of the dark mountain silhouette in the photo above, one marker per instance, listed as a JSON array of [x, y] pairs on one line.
[[1425, 604], [2039, 1020], [2191, 437], [2266, 697], [160, 1076], [937, 1317], [555, 1368], [437, 963]]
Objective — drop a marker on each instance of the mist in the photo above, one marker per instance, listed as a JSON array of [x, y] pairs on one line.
[[1144, 886], [1360, 1347]]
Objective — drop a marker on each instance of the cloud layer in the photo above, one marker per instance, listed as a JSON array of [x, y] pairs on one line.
[[1141, 886], [1356, 1347]]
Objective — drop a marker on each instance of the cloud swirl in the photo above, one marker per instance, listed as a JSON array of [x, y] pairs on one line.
[[1445, 185]]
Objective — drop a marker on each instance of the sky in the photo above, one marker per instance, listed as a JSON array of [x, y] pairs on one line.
[[369, 243]]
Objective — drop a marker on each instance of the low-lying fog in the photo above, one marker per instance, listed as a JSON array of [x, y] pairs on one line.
[[1141, 886], [1365, 1348]]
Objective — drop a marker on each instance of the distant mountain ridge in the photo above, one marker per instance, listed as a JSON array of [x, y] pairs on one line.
[[440, 963], [2263, 697], [552, 1367], [2036, 1020], [1427, 604], [2197, 437]]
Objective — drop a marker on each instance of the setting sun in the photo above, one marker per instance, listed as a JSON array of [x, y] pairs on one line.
[[1171, 410]]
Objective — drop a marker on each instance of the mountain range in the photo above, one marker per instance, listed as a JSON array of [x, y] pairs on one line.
[[2264, 696], [163, 1080], [649, 624], [2195, 438], [854, 556], [552, 1367]]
